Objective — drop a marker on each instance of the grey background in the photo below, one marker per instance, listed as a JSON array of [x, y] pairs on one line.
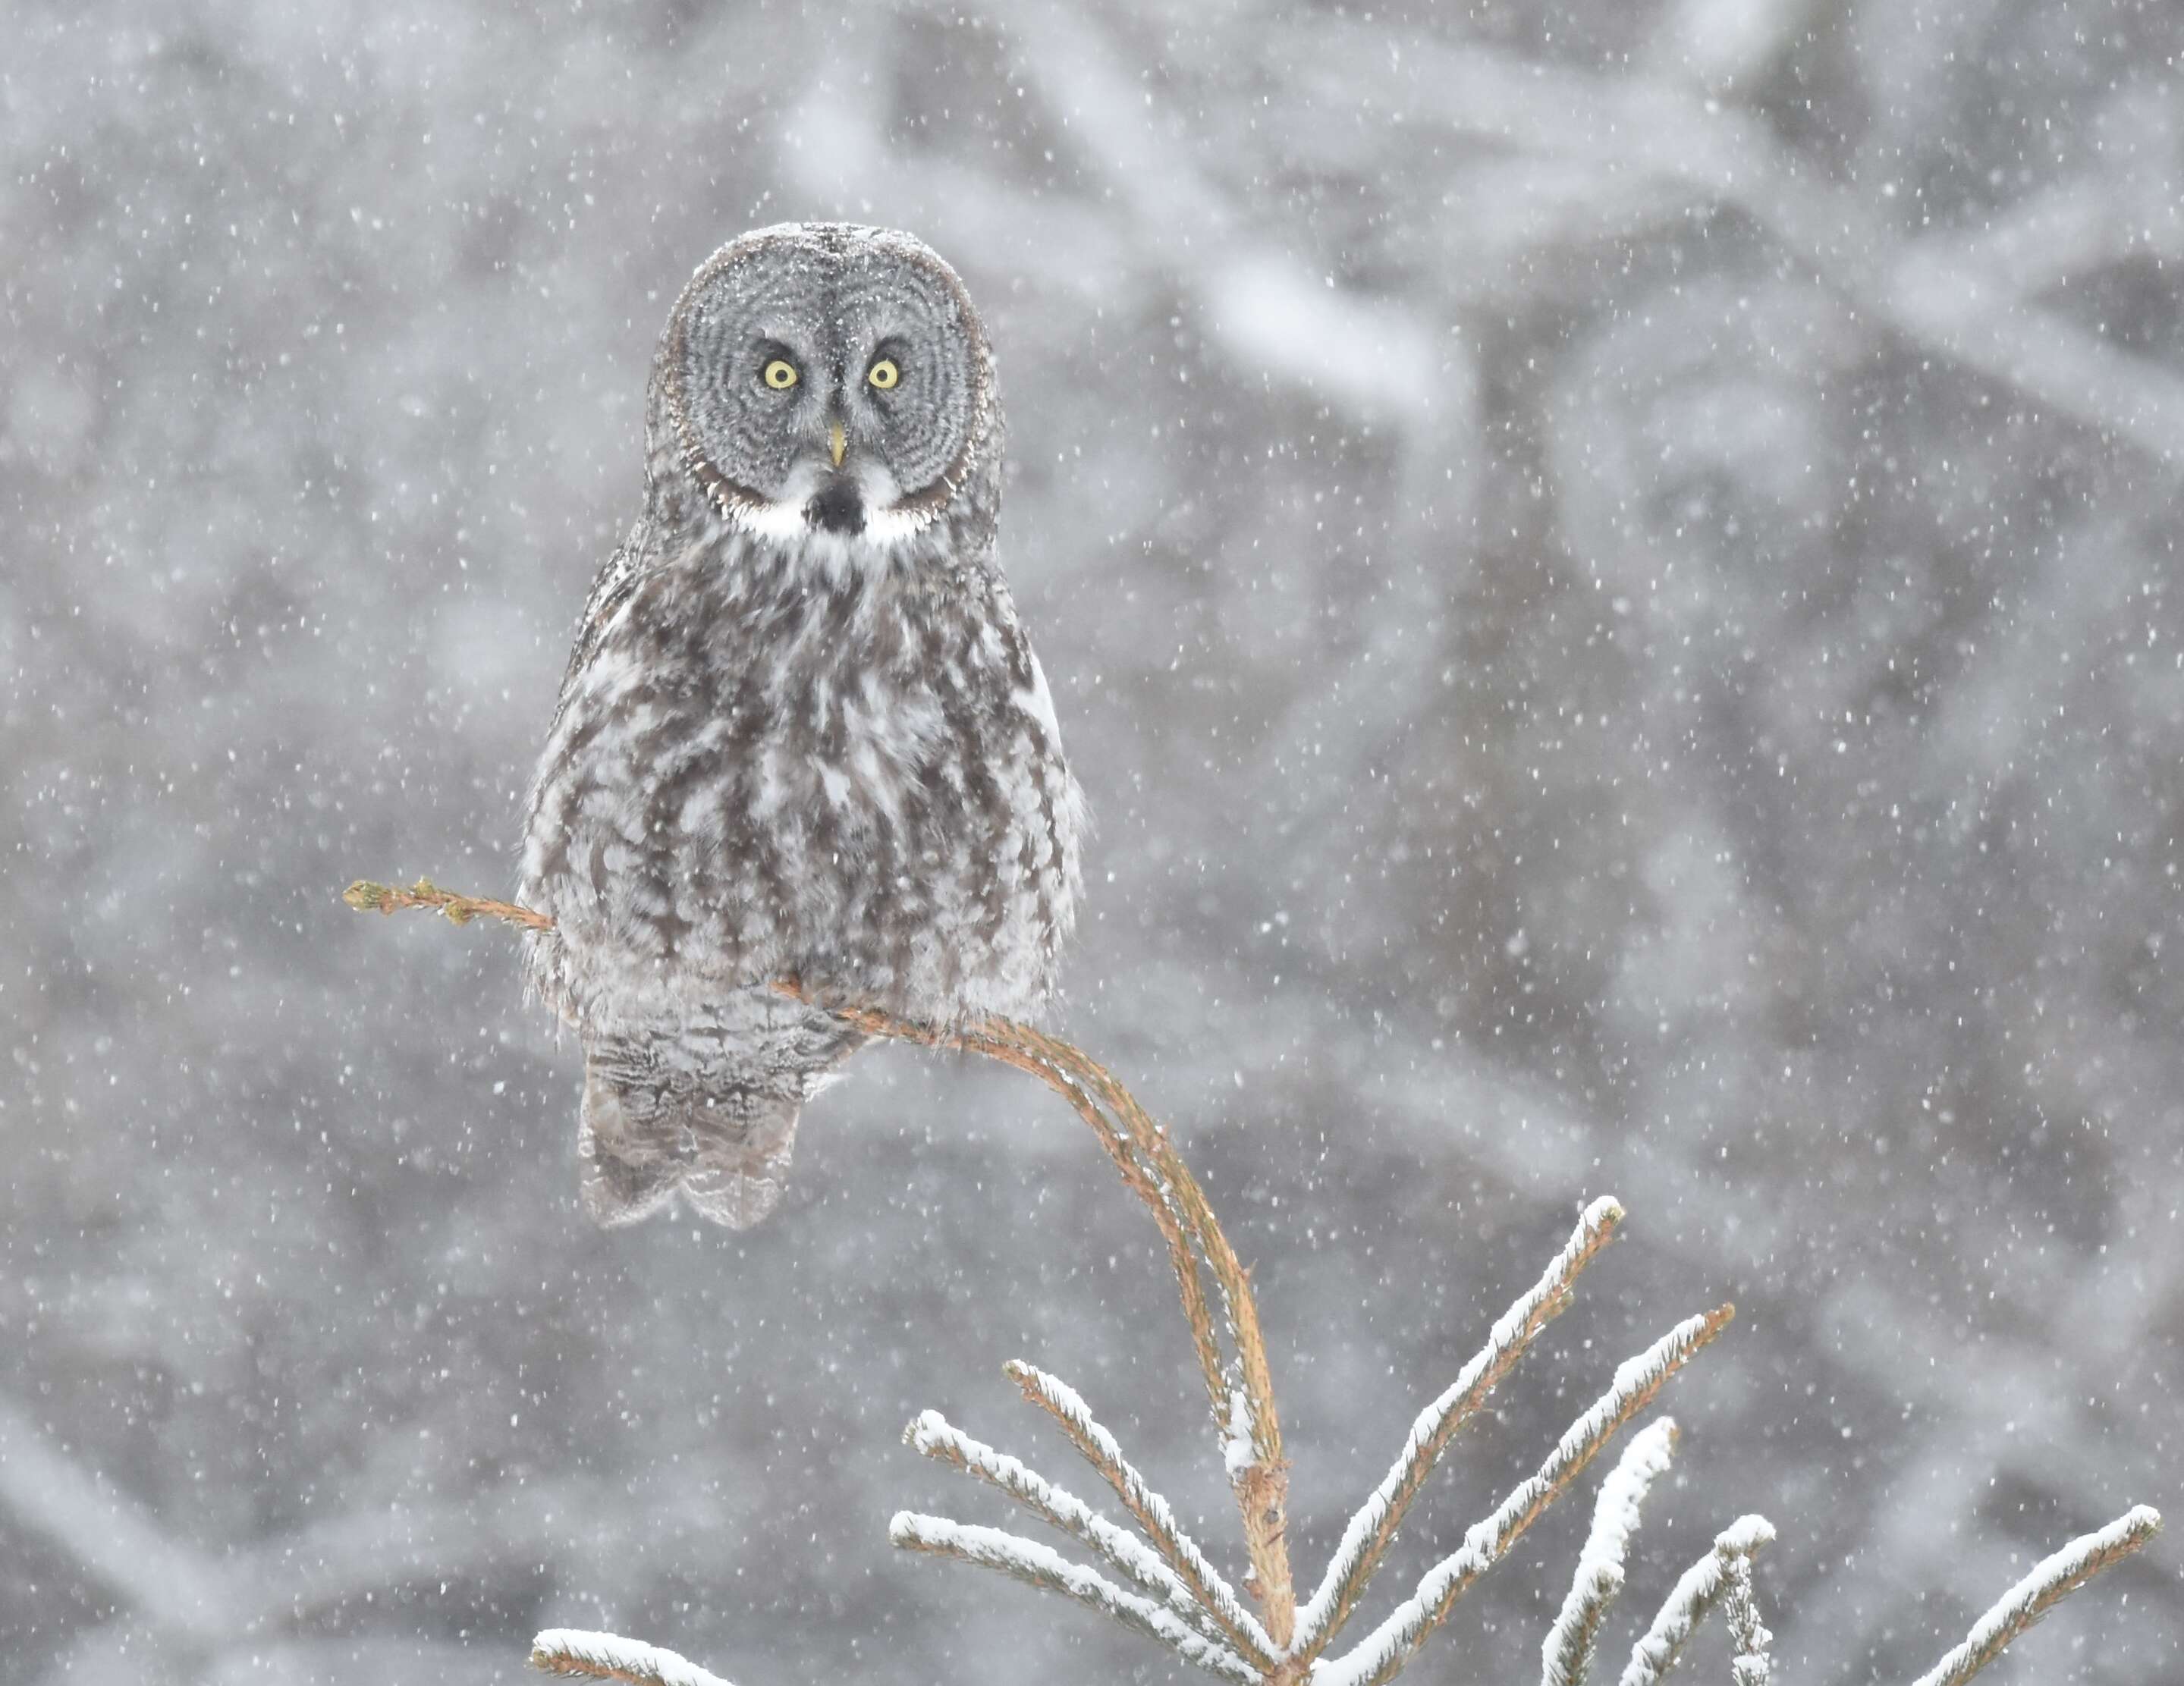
[[1609, 568]]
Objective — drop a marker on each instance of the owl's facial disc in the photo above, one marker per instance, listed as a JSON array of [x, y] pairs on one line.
[[835, 485], [828, 381]]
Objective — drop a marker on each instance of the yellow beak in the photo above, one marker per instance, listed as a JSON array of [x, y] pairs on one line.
[[837, 441]]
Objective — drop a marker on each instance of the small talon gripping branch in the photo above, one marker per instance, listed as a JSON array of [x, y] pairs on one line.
[[1181, 1599]]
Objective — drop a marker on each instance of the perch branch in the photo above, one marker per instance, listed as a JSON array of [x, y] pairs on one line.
[[1727, 1566], [1260, 1479], [1566, 1657], [571, 1654], [2053, 1579], [1152, 1170], [1064, 1070], [1366, 1540], [1040, 1566], [933, 1435]]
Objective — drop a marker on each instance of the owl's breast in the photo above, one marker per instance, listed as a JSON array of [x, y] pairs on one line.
[[851, 790], [847, 751]]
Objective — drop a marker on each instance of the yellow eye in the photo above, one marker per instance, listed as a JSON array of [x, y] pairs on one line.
[[884, 375], [780, 374]]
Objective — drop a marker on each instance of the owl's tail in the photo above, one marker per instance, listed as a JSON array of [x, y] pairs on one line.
[[706, 1106]]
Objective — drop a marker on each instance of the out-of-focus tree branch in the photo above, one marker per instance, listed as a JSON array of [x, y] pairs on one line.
[[174, 1588], [192, 1604]]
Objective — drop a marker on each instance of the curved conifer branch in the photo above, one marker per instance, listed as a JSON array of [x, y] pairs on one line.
[[1239, 1390]]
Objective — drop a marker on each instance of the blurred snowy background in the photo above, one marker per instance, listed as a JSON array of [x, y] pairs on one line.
[[1610, 568]]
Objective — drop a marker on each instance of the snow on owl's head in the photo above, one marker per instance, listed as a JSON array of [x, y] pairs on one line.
[[827, 378]]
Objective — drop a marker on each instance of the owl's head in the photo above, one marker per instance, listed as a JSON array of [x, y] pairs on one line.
[[827, 378]]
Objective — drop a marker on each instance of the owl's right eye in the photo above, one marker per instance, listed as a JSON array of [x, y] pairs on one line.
[[780, 374]]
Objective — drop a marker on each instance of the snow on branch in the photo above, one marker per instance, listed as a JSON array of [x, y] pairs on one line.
[[934, 1436], [573, 1654], [1703, 1585], [1380, 1656], [1042, 1567], [1146, 1508], [2053, 1579], [1751, 1665], [1566, 1655], [1365, 1541]]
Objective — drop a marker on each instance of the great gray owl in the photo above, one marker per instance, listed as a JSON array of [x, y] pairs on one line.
[[802, 734]]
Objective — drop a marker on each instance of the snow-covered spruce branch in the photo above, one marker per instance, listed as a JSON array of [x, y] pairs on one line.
[[2052, 1580], [1728, 1565], [1566, 1657], [1146, 1508], [1365, 1541], [1380, 1656], [1189, 1609], [933, 1435], [1751, 1664], [573, 1655], [1042, 1567]]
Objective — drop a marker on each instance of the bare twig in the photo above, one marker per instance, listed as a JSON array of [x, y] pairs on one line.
[[573, 1655], [1041, 1567], [1365, 1541], [1703, 1585], [366, 896], [1566, 1657], [1134, 1142], [1260, 1482], [2052, 1579]]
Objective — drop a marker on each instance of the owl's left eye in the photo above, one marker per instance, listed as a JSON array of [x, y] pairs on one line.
[[780, 374], [884, 375]]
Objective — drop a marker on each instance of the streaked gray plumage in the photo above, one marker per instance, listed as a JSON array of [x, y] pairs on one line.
[[802, 734]]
